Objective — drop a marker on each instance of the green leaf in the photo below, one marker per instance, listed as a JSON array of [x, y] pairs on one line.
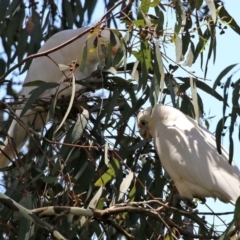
[[81, 170], [160, 21], [222, 74], [49, 180], [159, 74], [169, 84], [143, 177], [36, 93], [194, 98], [139, 23], [110, 174], [185, 43], [132, 193], [24, 226], [100, 203], [225, 94], [227, 19], [106, 159], [144, 56], [229, 231], [145, 4], [3, 9], [68, 12], [237, 210], [177, 27], [187, 107], [127, 111], [51, 110], [94, 201], [198, 4], [202, 85], [74, 133], [84, 57], [70, 103], [79, 125], [178, 49], [212, 8], [212, 48], [113, 99], [218, 134], [234, 114], [125, 184], [155, 3]]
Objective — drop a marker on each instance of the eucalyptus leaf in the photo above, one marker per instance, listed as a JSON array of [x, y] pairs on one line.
[[36, 94]]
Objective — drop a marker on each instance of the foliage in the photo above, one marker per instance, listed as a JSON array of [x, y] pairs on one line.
[[96, 160]]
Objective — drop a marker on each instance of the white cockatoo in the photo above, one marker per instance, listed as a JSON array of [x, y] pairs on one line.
[[50, 69], [188, 153]]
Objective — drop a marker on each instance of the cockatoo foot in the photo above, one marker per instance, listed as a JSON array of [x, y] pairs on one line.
[[177, 199]]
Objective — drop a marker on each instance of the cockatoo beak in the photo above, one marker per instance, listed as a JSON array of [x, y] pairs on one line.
[[143, 130], [143, 133]]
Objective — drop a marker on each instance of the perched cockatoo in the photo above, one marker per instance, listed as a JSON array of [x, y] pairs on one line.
[[188, 153], [55, 69]]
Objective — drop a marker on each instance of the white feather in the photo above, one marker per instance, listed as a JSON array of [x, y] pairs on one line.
[[43, 68], [188, 153]]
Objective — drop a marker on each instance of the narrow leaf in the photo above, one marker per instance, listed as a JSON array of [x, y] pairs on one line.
[[160, 67], [36, 93], [212, 8], [190, 58], [228, 19], [183, 15], [132, 193], [201, 85], [178, 49], [84, 57], [70, 104], [94, 201], [198, 4], [49, 179], [79, 125], [51, 110], [34, 83], [106, 160], [110, 174], [225, 94], [63, 67], [222, 74], [125, 185], [195, 98], [218, 133], [135, 73]]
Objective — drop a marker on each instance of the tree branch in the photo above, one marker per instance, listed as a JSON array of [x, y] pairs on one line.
[[100, 215]]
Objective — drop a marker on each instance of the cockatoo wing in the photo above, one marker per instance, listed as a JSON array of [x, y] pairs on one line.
[[47, 69], [188, 153]]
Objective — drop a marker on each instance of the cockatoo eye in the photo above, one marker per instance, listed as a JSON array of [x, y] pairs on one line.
[[143, 123]]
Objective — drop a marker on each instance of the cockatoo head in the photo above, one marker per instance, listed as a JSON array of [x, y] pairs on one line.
[[144, 123], [103, 40]]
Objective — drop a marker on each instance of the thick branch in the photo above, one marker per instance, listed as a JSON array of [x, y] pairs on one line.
[[28, 214], [100, 215]]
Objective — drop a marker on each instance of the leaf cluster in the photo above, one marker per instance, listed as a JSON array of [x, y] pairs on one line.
[[89, 154]]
